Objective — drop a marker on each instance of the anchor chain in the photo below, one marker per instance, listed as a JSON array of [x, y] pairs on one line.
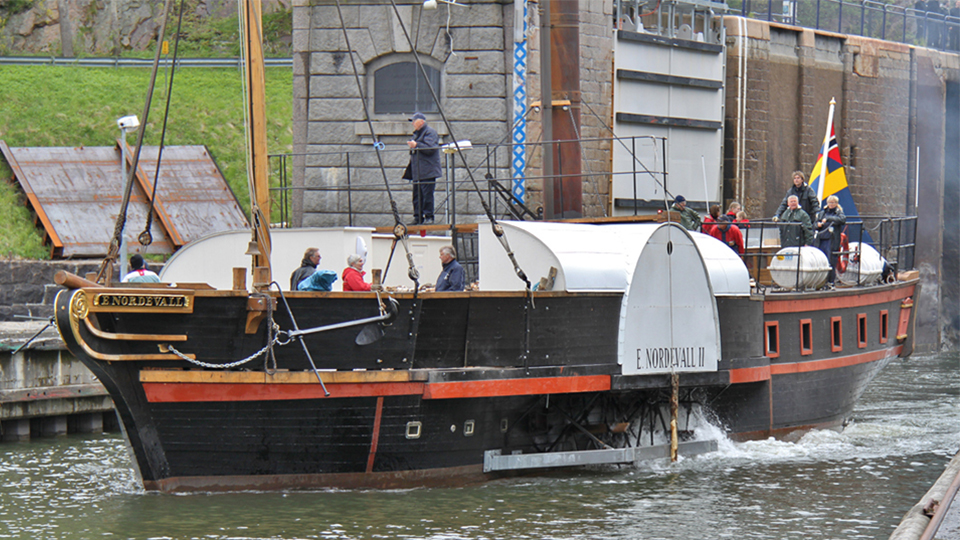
[[254, 356]]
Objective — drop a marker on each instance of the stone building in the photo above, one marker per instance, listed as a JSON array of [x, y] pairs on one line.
[[467, 53], [894, 102]]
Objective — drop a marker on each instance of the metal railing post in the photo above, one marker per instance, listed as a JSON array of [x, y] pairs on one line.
[[840, 17], [633, 163], [883, 30], [863, 15]]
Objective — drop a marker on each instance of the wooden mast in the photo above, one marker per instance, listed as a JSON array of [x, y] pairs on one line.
[[257, 141]]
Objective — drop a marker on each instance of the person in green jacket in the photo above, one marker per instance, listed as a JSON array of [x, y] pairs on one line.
[[795, 226], [689, 218]]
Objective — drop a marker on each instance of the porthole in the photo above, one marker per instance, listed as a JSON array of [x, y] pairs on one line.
[[468, 427], [503, 425], [413, 430]]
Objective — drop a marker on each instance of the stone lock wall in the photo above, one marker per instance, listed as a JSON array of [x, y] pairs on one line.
[[891, 100], [475, 55]]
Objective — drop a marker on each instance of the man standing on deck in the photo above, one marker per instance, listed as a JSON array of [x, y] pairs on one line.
[[806, 198], [796, 228], [424, 168]]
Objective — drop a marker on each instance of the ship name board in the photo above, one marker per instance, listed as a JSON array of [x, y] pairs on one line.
[[143, 302], [671, 358]]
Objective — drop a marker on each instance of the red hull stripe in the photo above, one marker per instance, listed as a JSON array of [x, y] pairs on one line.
[[836, 302], [184, 392], [833, 363], [748, 375], [197, 392], [517, 387]]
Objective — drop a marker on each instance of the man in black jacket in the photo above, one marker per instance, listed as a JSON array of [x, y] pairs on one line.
[[805, 196], [424, 168], [311, 258]]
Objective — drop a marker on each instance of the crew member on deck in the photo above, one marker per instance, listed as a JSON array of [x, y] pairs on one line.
[[311, 258], [424, 168], [689, 218], [728, 233], [451, 277], [140, 274], [830, 225], [353, 275], [805, 197], [733, 210], [795, 226]]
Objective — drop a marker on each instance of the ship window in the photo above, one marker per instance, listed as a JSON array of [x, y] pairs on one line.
[[836, 334], [884, 321], [400, 88], [413, 430], [468, 428], [806, 337], [772, 339], [861, 330], [503, 425]]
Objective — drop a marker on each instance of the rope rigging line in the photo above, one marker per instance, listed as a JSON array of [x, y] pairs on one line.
[[399, 229], [496, 227], [128, 187], [146, 238]]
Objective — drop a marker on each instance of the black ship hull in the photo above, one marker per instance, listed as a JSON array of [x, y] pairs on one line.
[[452, 378]]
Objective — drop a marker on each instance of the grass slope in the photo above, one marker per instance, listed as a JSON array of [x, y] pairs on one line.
[[74, 106]]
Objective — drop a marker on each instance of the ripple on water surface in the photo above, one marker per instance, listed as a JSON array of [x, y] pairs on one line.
[[854, 484]]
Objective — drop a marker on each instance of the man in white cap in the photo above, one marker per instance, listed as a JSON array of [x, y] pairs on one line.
[[424, 168]]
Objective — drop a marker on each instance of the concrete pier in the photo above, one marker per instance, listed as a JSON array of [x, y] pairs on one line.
[[44, 391]]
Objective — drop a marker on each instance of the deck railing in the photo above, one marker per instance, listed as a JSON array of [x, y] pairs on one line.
[[358, 179], [893, 237], [923, 25]]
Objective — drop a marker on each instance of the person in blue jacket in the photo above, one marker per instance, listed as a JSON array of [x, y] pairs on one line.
[[451, 277]]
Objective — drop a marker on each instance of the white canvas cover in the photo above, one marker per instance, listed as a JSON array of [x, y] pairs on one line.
[[592, 257], [211, 259]]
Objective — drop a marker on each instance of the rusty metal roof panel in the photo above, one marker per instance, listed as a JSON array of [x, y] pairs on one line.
[[193, 192], [76, 193]]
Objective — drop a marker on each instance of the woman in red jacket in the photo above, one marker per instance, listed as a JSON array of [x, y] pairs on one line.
[[353, 275]]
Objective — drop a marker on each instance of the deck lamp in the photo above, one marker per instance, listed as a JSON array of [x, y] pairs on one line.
[[126, 125]]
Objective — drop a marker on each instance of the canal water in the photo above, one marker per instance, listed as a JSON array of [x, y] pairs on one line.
[[854, 484]]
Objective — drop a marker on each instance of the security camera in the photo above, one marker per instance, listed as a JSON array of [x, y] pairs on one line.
[[128, 122]]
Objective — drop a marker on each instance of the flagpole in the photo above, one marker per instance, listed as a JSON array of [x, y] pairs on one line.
[[824, 149]]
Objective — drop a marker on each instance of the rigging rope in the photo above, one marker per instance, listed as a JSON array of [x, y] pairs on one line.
[[146, 238], [496, 227], [107, 262], [399, 229]]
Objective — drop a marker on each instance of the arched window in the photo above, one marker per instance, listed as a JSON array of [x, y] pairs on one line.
[[401, 88]]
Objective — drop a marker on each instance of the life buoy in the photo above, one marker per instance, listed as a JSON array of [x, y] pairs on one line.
[[844, 254]]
